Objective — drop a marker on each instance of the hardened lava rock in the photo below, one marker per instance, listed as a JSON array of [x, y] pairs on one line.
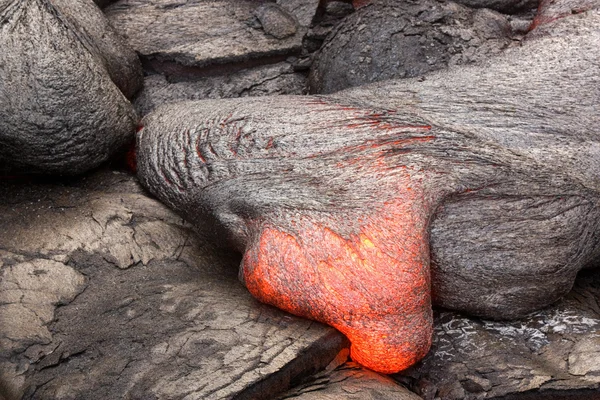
[[337, 202], [65, 78], [405, 39]]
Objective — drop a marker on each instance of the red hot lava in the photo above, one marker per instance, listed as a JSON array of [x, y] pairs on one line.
[[373, 286]]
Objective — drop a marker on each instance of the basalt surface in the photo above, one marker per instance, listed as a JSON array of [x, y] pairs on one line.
[[105, 293], [279, 78], [65, 78], [550, 354], [349, 381], [171, 35], [331, 198], [222, 49], [390, 39]]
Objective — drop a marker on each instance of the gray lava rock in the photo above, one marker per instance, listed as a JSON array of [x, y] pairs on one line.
[[65, 73], [553, 353], [493, 155], [350, 382], [505, 6], [303, 10], [551, 11], [273, 79], [480, 264], [276, 21], [339, 8], [199, 33], [406, 39], [106, 294]]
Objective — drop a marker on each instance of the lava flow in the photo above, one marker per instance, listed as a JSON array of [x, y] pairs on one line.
[[373, 286]]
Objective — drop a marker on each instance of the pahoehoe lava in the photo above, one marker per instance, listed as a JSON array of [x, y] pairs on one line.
[[331, 199]]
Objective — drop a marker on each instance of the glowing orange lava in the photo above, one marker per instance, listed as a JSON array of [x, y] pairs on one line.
[[373, 285]]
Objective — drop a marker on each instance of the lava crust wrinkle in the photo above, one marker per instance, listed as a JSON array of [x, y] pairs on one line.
[[331, 199], [373, 286]]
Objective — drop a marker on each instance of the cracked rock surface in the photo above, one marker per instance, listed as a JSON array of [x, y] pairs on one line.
[[279, 78], [217, 49], [350, 381], [105, 293], [552, 352], [200, 33], [390, 39]]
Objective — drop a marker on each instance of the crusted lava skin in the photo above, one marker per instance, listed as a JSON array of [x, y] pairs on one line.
[[65, 78], [331, 198], [373, 285], [336, 232]]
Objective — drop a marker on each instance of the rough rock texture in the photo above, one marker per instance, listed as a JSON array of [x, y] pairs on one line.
[[104, 293], [505, 6], [255, 70], [350, 381], [551, 354], [61, 110], [279, 78], [103, 3], [348, 184], [276, 21], [200, 34], [493, 274], [553, 10], [303, 10], [120, 61], [406, 39]]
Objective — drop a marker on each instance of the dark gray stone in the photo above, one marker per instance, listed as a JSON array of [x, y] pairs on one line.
[[273, 79], [493, 155], [406, 39], [339, 8], [275, 21], [103, 3], [505, 6], [350, 382], [551, 354], [106, 294], [303, 10], [480, 264], [199, 33], [61, 110]]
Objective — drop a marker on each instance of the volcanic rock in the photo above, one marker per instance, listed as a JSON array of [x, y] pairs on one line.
[[552, 353], [505, 6], [331, 197], [406, 39], [303, 10], [62, 108], [338, 8], [265, 80], [105, 293], [275, 20], [200, 34], [350, 381], [550, 11]]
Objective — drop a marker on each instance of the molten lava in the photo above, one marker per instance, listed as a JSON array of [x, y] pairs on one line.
[[372, 285]]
